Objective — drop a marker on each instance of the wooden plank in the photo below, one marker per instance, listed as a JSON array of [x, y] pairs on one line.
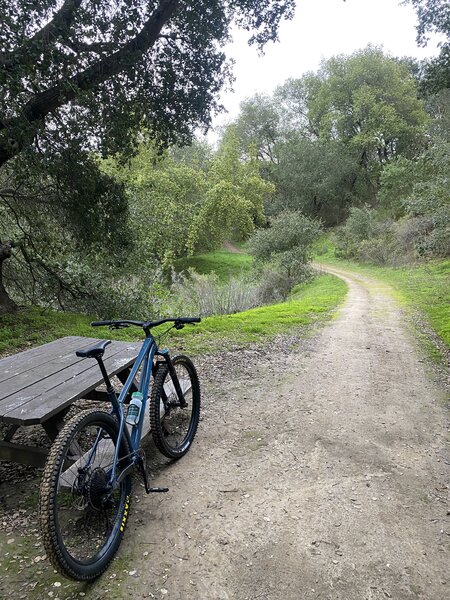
[[41, 388], [26, 455], [39, 408], [15, 364], [39, 372]]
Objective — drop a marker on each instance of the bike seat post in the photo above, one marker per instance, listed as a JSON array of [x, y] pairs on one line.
[[109, 387]]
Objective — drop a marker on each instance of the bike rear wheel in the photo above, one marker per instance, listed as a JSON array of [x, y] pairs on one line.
[[82, 520], [174, 427]]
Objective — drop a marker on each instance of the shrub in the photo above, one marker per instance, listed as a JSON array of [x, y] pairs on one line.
[[380, 250], [361, 225], [206, 295], [286, 244], [274, 287]]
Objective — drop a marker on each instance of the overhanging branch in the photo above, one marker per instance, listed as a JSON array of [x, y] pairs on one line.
[[55, 29], [45, 102]]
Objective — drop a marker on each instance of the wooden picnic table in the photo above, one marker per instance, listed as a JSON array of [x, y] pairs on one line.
[[39, 385]]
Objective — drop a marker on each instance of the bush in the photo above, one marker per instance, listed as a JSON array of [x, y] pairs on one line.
[[286, 244], [206, 295], [275, 286], [421, 189], [381, 250], [361, 225]]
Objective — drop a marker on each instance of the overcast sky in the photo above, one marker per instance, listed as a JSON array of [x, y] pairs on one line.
[[320, 29]]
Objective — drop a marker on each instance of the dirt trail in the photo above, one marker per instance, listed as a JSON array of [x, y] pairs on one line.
[[320, 474], [231, 248]]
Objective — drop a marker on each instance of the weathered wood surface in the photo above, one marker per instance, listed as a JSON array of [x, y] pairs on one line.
[[37, 384]]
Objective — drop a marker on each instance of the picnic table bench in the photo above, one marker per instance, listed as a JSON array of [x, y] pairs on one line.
[[38, 386]]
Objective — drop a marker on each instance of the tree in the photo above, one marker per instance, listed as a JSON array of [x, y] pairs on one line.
[[57, 214], [164, 196], [234, 201], [286, 243], [324, 139], [258, 127], [369, 101], [118, 67], [79, 77], [293, 100], [434, 17], [319, 178]]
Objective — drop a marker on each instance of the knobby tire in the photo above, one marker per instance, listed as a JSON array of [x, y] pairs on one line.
[[97, 511], [174, 431]]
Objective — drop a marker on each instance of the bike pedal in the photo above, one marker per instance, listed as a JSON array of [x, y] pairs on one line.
[[157, 490]]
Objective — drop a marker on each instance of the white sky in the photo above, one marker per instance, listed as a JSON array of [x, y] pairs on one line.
[[320, 29]]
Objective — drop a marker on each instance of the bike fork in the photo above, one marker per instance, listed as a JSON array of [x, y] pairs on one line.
[[174, 376]]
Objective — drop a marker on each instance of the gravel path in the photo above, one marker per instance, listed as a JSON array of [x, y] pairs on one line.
[[318, 474], [320, 471]]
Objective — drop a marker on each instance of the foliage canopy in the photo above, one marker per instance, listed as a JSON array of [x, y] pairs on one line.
[[79, 78], [434, 17], [104, 71]]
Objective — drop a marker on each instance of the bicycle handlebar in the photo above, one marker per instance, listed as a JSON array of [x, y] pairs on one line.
[[146, 324]]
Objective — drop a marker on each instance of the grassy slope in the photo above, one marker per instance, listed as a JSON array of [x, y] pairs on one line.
[[222, 262], [308, 303], [424, 287]]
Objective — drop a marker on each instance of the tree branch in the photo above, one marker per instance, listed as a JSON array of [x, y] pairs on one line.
[[63, 92], [79, 47], [54, 29]]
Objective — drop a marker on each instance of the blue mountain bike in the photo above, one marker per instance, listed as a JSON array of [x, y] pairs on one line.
[[86, 485]]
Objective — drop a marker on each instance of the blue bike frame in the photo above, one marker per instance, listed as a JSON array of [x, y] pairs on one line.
[[144, 358]]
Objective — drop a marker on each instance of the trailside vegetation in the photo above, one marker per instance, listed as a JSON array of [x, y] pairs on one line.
[[358, 146], [308, 304], [82, 80]]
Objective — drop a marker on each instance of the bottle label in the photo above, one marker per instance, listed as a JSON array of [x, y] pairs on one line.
[[133, 414]]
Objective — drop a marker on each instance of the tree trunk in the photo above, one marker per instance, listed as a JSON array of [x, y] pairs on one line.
[[6, 304]]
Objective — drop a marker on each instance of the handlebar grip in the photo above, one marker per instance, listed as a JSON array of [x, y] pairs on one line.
[[101, 323], [188, 320]]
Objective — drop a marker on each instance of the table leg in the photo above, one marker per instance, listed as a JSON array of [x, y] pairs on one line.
[[10, 433], [54, 425]]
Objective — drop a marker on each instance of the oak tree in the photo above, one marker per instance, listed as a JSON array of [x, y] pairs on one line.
[[79, 76]]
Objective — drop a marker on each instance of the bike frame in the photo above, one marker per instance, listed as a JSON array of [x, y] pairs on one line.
[[145, 358]]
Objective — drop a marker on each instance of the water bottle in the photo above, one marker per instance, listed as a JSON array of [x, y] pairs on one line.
[[134, 409]]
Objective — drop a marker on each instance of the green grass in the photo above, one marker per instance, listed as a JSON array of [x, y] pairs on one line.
[[424, 287], [33, 326], [308, 304], [222, 262]]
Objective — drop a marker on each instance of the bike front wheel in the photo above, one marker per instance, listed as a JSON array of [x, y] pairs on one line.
[[174, 426], [82, 519]]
